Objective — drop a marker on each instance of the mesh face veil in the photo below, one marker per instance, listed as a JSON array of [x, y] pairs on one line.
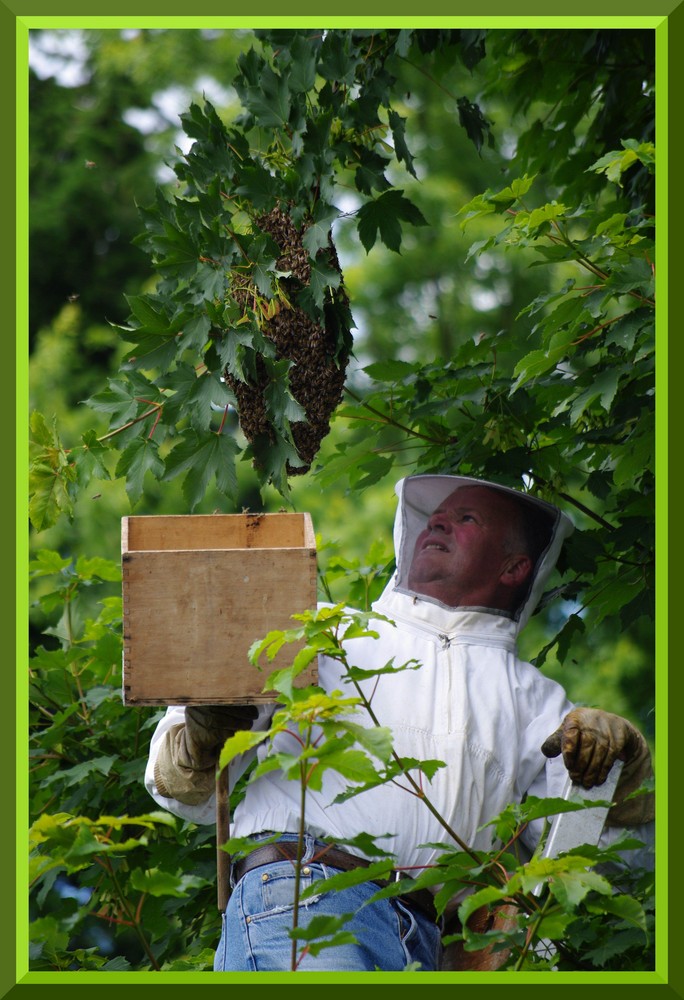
[[420, 495]]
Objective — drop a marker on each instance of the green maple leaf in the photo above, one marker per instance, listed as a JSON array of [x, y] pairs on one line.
[[118, 400], [269, 99], [150, 316], [201, 457], [474, 122], [90, 459], [383, 216], [204, 125], [49, 496], [398, 126], [204, 391], [322, 277], [282, 406], [257, 184], [316, 236], [301, 73], [141, 456], [370, 172]]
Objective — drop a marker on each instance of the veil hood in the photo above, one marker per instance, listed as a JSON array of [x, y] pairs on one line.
[[420, 495]]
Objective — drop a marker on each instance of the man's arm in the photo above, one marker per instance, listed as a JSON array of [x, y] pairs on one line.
[[590, 741]]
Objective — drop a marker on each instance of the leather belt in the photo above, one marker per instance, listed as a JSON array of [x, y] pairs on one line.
[[269, 854]]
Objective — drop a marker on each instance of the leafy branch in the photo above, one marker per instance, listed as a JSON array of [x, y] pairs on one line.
[[328, 739]]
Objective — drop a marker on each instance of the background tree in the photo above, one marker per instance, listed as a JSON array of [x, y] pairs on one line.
[[448, 166]]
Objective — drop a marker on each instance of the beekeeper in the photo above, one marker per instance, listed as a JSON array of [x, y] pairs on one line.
[[472, 561]]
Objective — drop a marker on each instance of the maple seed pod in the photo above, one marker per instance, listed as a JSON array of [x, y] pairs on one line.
[[319, 365]]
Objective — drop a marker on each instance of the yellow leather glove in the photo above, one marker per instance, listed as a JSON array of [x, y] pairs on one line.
[[207, 727], [591, 740], [185, 768]]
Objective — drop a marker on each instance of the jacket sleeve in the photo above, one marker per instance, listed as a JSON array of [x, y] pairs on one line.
[[188, 793]]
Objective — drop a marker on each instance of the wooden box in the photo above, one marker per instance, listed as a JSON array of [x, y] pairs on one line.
[[198, 590]]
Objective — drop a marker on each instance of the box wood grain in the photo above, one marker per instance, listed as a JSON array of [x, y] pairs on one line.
[[198, 590]]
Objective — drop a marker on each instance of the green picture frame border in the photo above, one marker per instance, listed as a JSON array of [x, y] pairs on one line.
[[16, 19]]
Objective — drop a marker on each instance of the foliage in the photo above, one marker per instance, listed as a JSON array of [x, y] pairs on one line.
[[360, 580], [558, 906], [568, 408], [148, 880], [550, 387], [563, 399], [96, 891], [223, 278], [575, 416]]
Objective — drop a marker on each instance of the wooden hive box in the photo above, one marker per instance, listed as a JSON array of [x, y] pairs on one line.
[[198, 590]]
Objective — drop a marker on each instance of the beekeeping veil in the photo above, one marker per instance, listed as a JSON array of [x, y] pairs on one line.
[[420, 495]]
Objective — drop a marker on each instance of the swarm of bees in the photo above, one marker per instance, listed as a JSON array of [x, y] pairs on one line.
[[318, 365]]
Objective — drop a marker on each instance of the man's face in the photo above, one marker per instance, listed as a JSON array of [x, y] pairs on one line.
[[464, 555]]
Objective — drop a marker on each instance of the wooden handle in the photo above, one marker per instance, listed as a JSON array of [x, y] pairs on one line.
[[222, 835]]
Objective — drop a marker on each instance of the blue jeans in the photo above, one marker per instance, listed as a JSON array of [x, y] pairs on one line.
[[254, 937]]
